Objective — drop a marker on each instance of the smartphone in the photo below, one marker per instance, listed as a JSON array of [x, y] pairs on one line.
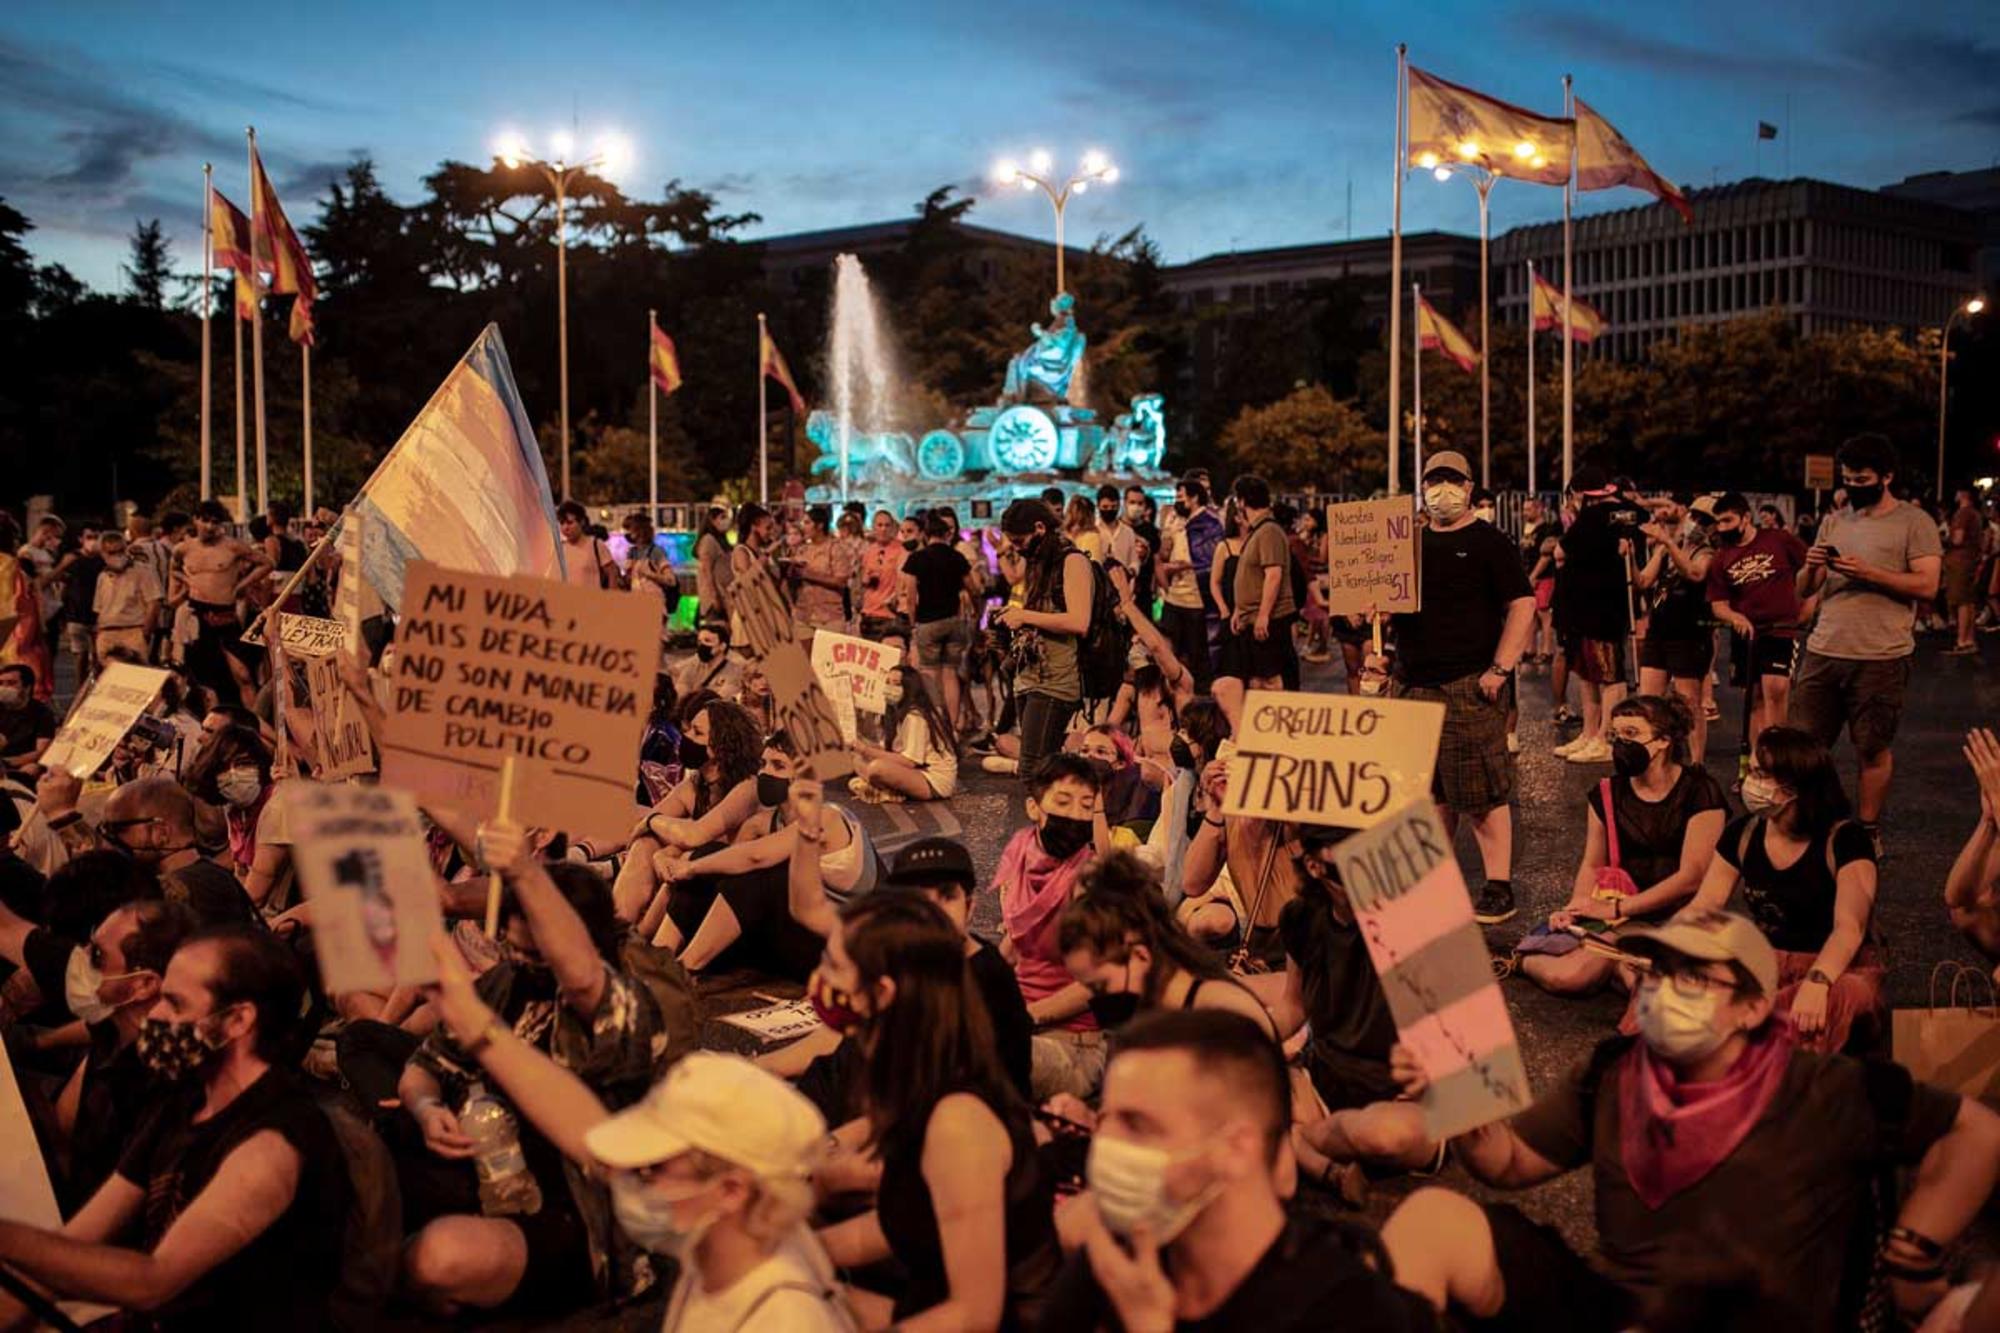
[[1832, 551]]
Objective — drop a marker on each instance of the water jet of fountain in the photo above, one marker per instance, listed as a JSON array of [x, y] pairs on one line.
[[859, 359]]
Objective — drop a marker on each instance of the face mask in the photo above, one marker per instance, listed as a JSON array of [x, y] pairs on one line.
[[1063, 837], [834, 1007], [1446, 501], [693, 753], [1030, 544], [173, 1050], [772, 789], [83, 982], [1108, 515], [117, 562], [1762, 795], [646, 1216], [1676, 1027], [911, 545], [705, 651], [1129, 1182], [1865, 497], [1728, 536], [11, 696], [1630, 758], [240, 786], [1181, 753], [1181, 508], [1113, 1011], [893, 691]]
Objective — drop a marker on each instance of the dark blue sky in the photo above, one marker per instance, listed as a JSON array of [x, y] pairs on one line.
[[1235, 124]]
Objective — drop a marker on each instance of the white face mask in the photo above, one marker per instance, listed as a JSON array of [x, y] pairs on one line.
[[1678, 1028], [1129, 1182], [646, 1216], [83, 985], [240, 786], [1762, 794], [1446, 500], [11, 696]]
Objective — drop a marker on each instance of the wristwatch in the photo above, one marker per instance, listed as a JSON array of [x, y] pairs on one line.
[[1819, 977], [1499, 670]]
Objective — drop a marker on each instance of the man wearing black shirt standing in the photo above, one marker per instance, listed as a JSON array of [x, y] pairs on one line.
[[935, 581], [1460, 649]]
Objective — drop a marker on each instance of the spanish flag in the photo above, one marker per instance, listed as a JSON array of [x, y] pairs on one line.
[[1439, 334], [1450, 123], [663, 362], [277, 250], [772, 362], [1546, 306], [229, 247], [1604, 160]]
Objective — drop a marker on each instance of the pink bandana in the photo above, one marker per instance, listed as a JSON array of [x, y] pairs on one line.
[[1672, 1134]]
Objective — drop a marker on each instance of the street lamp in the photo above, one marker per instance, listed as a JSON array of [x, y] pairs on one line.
[[1482, 179], [611, 154], [1971, 307], [1095, 167]]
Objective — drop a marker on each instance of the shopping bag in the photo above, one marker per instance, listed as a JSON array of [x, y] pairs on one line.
[[1949, 1047]]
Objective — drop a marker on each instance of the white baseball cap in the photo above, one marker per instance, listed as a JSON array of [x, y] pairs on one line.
[[722, 1105]]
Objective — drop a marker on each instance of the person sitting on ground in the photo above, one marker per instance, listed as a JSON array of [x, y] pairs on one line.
[[963, 1203], [1186, 1225], [232, 1194], [1040, 872], [1718, 1150], [1669, 814], [713, 1167], [922, 765], [1130, 804], [713, 667], [1159, 687], [561, 986], [1808, 878], [719, 755], [1211, 906], [1972, 889], [26, 724], [235, 774]]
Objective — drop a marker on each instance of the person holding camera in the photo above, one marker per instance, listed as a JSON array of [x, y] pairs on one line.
[[1593, 609], [1680, 637]]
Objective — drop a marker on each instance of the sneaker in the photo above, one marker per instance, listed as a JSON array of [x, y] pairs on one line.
[[1000, 763], [1961, 650], [1597, 752], [861, 789], [1493, 905], [1513, 743], [1567, 748], [983, 742], [1989, 627]]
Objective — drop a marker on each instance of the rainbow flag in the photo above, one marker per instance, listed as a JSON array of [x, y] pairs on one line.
[[662, 361], [1546, 302], [277, 251], [772, 362], [1439, 334], [229, 247]]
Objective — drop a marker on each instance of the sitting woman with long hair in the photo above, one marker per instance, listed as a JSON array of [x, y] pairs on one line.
[[1808, 876], [922, 762], [720, 751], [963, 1204]]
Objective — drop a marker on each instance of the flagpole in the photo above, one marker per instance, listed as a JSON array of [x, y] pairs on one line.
[[1396, 269], [1531, 377], [1485, 184], [257, 337], [207, 282], [1416, 388], [236, 363], [1569, 291], [652, 424], [306, 394], [763, 446]]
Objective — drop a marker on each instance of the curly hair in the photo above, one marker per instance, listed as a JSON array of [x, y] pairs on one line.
[[1119, 907], [735, 747]]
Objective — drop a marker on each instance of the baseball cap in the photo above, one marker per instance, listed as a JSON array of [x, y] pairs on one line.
[[1447, 460], [933, 861], [1713, 937], [1702, 504], [721, 1105]]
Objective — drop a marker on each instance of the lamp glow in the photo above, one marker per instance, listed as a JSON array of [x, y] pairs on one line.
[[510, 148], [1975, 305], [1524, 150], [1094, 162], [1441, 173], [1427, 160], [1041, 161], [1005, 172], [614, 154], [1080, 187], [563, 143], [1110, 175], [1540, 161], [1468, 150]]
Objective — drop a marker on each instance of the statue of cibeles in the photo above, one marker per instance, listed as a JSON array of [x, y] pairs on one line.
[[1052, 359]]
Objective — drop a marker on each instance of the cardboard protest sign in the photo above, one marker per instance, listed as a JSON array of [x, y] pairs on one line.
[[777, 1022], [1371, 556], [862, 661], [1410, 899], [338, 727], [802, 707], [556, 676], [121, 693], [26, 1196], [362, 861], [1341, 759], [840, 692]]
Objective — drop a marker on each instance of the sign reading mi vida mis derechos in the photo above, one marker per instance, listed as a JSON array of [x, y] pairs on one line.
[[1371, 557], [558, 678], [1347, 760]]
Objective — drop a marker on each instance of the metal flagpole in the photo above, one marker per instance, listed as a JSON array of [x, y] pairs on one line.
[[1569, 290], [1485, 184], [257, 339], [763, 417], [236, 363], [1396, 268], [306, 394], [652, 425], [207, 282], [1416, 389], [1531, 377]]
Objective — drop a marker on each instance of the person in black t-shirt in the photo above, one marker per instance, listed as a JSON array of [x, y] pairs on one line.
[[26, 724], [1680, 634], [935, 581], [233, 1187], [1461, 650], [1183, 1176], [1593, 608]]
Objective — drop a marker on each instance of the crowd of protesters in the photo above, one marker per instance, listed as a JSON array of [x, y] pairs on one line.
[[1154, 1099]]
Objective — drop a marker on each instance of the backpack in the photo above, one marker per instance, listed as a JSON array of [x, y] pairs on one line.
[[1106, 641], [672, 989], [371, 1245]]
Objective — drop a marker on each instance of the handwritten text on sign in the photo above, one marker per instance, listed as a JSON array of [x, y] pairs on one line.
[[862, 661], [1410, 901], [362, 862], [802, 708], [338, 727], [1371, 556], [556, 676], [1337, 759], [122, 692]]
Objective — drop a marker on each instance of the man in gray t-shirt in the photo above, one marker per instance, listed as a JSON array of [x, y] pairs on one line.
[[1870, 567]]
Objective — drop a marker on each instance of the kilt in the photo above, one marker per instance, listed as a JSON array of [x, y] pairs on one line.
[[1474, 773]]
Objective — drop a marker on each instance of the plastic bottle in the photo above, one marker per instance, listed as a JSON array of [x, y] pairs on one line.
[[506, 1186]]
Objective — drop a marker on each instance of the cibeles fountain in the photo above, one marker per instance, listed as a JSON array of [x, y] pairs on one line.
[[1037, 434]]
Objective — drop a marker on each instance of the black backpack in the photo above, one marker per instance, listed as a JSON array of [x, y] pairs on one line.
[[1101, 652]]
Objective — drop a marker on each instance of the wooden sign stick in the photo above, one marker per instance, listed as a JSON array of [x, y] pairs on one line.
[[493, 880]]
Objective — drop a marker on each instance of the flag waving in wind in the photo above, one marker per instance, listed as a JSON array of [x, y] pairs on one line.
[[1546, 306], [1604, 160], [772, 362], [278, 252], [1450, 123], [230, 248], [663, 362], [1439, 334]]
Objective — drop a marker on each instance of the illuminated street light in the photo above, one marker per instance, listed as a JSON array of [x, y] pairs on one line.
[[613, 153], [1971, 307], [1096, 168]]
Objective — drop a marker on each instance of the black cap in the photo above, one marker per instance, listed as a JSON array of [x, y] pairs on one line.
[[933, 861]]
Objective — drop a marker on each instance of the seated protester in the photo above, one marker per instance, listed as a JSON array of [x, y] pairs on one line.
[[717, 792], [235, 774], [1160, 684], [713, 667], [713, 1167], [1642, 865], [923, 763], [1807, 874], [732, 907], [1972, 889], [233, 1191], [659, 744], [1226, 854], [1188, 1229], [26, 724], [963, 1204], [1719, 1151], [1129, 803], [1040, 873], [37, 945], [1119, 940], [561, 987]]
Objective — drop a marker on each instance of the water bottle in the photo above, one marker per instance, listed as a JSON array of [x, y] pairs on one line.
[[506, 1186]]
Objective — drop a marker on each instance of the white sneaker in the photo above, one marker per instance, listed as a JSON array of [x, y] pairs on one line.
[[1513, 743], [1597, 752], [1000, 763], [1567, 748]]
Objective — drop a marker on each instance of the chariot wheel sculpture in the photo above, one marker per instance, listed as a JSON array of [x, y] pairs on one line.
[[1024, 439], [941, 456]]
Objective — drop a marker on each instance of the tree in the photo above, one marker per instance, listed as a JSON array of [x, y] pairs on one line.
[[1308, 438], [152, 266]]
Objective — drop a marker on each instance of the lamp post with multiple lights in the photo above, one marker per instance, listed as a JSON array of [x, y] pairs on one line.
[[1968, 309], [1096, 168], [610, 155]]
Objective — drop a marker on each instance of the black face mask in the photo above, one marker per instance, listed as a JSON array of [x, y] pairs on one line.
[[1063, 837], [706, 651], [1181, 753], [693, 753], [1030, 544], [772, 789], [1181, 508], [1865, 497], [1113, 1011], [1630, 758], [1729, 537], [911, 545], [1109, 515]]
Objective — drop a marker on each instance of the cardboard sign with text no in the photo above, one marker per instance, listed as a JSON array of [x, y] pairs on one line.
[[364, 867], [1343, 759], [121, 693], [1371, 557], [1410, 901], [556, 676], [802, 708]]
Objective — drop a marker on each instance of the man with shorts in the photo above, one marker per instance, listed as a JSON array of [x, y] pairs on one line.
[[1461, 650], [211, 570], [1265, 607], [1873, 565], [1593, 609], [1680, 640], [936, 583], [1752, 589], [1961, 571]]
